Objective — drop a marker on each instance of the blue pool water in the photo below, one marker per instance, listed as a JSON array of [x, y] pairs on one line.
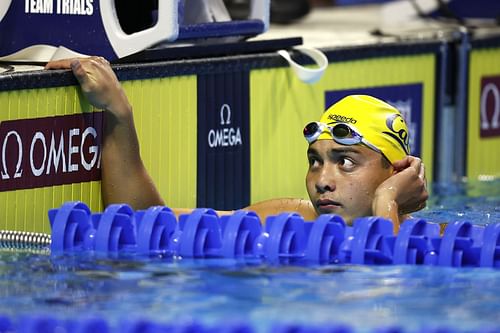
[[213, 291], [477, 202]]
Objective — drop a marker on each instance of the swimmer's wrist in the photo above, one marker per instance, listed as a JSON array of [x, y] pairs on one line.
[[385, 194], [384, 205], [120, 108]]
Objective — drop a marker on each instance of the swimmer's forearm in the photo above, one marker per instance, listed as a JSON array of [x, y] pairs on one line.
[[124, 177], [387, 207]]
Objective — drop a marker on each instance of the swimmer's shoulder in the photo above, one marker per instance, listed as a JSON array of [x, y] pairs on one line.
[[280, 205], [269, 208]]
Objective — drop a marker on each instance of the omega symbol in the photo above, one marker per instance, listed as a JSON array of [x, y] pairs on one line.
[[19, 171], [227, 110], [495, 119]]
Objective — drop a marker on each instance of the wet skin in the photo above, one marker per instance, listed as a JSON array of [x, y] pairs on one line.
[[343, 179]]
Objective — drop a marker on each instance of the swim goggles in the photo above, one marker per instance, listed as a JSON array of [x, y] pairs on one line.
[[342, 133]]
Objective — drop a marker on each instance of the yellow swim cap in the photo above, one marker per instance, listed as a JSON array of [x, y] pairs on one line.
[[378, 122]]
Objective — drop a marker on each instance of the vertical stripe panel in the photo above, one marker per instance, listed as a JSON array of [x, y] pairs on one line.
[[483, 158], [223, 140]]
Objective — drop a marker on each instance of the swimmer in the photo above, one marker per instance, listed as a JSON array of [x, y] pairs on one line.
[[359, 162], [359, 165]]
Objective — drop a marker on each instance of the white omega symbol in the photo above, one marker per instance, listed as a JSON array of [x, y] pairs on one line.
[[495, 119], [227, 110], [19, 171]]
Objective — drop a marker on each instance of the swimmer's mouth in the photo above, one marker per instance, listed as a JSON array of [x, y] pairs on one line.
[[327, 206]]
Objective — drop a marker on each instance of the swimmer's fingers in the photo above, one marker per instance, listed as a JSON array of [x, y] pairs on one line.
[[421, 173], [81, 74], [59, 64], [415, 162], [403, 164], [92, 72], [419, 167], [408, 161], [77, 66], [66, 63], [97, 80], [423, 180], [98, 83]]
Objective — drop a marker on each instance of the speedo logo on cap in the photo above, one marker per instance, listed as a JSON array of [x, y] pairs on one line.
[[342, 119]]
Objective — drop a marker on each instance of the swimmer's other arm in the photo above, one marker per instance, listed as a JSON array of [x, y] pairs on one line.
[[269, 208], [402, 193]]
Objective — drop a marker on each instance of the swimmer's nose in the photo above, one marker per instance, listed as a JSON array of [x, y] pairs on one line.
[[326, 180]]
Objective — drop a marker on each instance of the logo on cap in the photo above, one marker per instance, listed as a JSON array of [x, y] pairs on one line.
[[397, 126], [343, 119]]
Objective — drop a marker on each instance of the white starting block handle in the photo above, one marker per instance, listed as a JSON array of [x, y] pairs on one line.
[[4, 7], [165, 29], [305, 74]]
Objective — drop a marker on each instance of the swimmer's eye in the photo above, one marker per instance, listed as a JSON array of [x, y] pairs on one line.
[[314, 161], [346, 163]]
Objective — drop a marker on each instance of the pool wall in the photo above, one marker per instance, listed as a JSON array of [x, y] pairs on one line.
[[215, 132]]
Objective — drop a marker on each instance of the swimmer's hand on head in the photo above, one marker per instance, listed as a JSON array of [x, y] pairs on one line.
[[402, 193], [124, 177]]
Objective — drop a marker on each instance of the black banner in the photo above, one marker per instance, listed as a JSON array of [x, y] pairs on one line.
[[223, 141]]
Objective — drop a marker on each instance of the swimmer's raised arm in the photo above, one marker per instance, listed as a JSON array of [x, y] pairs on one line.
[[124, 177]]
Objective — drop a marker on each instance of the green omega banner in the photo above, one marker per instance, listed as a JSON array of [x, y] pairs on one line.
[[281, 105], [483, 136], [49, 154], [51, 140]]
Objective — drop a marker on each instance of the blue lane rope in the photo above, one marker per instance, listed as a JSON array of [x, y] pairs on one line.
[[285, 238]]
